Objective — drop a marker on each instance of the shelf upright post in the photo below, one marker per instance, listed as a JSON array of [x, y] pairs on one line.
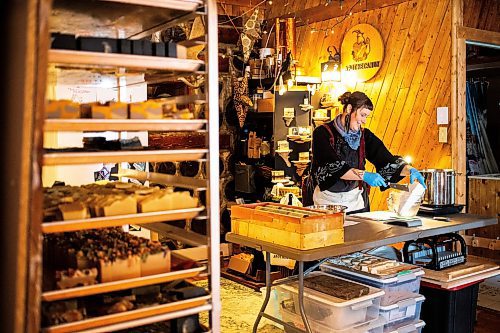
[[212, 94]]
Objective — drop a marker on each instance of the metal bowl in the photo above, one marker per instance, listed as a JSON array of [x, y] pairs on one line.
[[329, 208]]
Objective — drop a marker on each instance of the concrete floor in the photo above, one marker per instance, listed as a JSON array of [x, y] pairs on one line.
[[240, 306]]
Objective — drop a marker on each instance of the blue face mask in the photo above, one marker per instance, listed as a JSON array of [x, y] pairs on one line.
[[353, 139]]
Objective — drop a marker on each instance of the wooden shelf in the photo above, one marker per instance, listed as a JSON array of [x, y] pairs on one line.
[[119, 220], [70, 158], [185, 5], [84, 59], [100, 288], [129, 315], [161, 178], [180, 234], [98, 125], [152, 320]]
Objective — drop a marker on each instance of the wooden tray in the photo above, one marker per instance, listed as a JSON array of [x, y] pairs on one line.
[[71, 158], [128, 315], [97, 125], [100, 288], [119, 220], [459, 272]]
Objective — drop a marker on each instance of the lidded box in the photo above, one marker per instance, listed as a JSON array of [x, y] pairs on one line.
[[392, 276], [329, 311], [296, 227]]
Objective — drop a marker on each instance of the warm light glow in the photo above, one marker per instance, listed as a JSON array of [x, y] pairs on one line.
[[408, 159], [330, 74], [282, 88], [290, 83], [311, 88], [349, 78]]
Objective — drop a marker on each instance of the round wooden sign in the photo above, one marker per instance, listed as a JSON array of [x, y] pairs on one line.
[[362, 52]]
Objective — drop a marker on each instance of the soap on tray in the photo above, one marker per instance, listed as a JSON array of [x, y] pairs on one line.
[[336, 287]]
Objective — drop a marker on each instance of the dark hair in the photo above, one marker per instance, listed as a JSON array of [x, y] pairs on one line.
[[357, 100]]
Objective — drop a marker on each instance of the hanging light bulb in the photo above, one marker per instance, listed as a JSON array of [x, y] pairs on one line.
[[330, 70], [282, 88], [408, 159], [290, 83]]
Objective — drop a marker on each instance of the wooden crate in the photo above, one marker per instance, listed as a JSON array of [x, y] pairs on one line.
[[304, 233], [484, 199]]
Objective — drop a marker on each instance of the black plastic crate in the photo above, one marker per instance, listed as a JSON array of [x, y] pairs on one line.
[[452, 311]]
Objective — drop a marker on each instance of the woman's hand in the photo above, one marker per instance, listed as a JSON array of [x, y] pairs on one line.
[[415, 175], [374, 179]]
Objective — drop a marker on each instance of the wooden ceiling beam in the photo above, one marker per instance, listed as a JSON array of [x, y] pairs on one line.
[[322, 13], [477, 35], [243, 3]]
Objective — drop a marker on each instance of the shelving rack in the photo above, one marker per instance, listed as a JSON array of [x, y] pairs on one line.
[[173, 11]]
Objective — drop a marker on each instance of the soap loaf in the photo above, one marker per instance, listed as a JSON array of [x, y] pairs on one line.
[[336, 287]]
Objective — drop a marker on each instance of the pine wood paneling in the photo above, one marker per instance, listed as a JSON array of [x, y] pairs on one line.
[[414, 78], [416, 75], [484, 199], [482, 14]]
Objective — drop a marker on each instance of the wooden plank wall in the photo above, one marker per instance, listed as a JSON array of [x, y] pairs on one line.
[[413, 80], [484, 199], [482, 14], [239, 7]]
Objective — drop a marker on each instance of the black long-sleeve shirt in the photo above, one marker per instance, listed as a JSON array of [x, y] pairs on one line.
[[331, 163]]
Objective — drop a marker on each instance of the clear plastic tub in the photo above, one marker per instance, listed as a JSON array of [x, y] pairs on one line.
[[329, 311], [393, 286], [374, 326], [406, 308], [412, 327]]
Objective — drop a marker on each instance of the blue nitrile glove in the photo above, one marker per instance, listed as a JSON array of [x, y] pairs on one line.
[[373, 179], [414, 174]]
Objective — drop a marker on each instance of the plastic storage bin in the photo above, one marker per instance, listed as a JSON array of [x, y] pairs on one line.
[[374, 326], [329, 311], [413, 327], [405, 308], [409, 282], [450, 311]]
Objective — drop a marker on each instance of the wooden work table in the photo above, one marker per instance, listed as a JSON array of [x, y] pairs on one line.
[[361, 236], [369, 234]]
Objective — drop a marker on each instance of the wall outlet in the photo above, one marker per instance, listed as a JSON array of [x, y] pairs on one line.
[[443, 134], [442, 115]]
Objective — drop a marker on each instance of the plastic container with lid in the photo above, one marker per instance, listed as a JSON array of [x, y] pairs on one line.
[[403, 282], [330, 311], [373, 326], [412, 327], [404, 308]]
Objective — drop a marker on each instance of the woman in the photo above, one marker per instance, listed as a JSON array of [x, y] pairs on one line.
[[341, 148]]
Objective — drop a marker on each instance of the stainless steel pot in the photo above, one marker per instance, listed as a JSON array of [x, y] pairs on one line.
[[440, 187]]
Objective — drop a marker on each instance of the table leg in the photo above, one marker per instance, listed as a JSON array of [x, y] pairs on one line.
[[301, 297], [268, 292]]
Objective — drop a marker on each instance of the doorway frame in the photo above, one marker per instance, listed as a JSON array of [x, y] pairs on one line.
[[459, 36]]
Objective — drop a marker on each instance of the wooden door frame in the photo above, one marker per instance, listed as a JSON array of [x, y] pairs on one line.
[[459, 36], [21, 206]]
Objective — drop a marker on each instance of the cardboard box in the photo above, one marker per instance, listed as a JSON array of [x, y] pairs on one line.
[[239, 265], [265, 105]]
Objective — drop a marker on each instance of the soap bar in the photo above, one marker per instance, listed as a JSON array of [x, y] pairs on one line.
[[73, 211], [63, 109], [336, 287], [120, 206], [98, 44], [146, 110], [63, 41], [118, 110]]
